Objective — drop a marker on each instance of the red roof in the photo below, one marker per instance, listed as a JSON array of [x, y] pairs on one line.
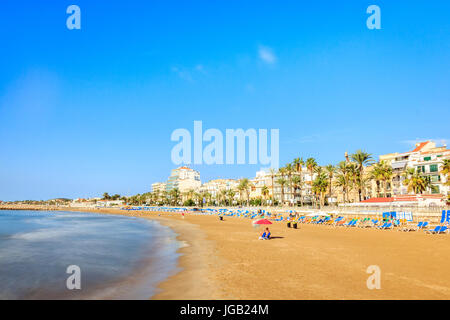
[[420, 145]]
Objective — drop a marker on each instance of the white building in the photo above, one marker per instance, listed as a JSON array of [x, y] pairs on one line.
[[427, 158], [158, 187], [184, 179], [214, 187]]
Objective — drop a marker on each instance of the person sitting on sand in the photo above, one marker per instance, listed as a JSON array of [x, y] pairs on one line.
[[265, 235], [262, 236]]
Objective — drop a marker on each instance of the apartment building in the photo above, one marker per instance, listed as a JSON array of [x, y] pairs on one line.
[[158, 187], [427, 159], [184, 179]]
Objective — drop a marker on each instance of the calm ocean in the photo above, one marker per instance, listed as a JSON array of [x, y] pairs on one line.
[[119, 257]]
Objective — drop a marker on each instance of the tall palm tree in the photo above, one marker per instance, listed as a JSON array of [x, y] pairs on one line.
[[265, 193], [174, 195], [386, 177], [361, 159], [282, 182], [222, 196], [341, 181], [298, 164], [245, 186], [330, 170], [273, 174], [164, 197], [377, 175], [320, 186], [342, 178], [311, 165], [353, 177], [231, 194], [296, 184], [289, 168]]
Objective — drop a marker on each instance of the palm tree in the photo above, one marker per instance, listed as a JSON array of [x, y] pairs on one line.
[[282, 182], [245, 185], [361, 159], [222, 196], [273, 174], [345, 178], [311, 164], [106, 196], [208, 197], [320, 186], [386, 177], [377, 174], [289, 168], [265, 193], [341, 181], [415, 181], [164, 197], [296, 183], [445, 170], [231, 194], [174, 195], [299, 163], [330, 170]]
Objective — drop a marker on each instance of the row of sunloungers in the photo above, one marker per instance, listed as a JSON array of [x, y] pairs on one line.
[[399, 225]]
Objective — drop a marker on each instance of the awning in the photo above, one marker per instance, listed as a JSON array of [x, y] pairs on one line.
[[398, 165]]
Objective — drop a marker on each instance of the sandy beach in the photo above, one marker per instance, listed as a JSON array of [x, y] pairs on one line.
[[225, 260]]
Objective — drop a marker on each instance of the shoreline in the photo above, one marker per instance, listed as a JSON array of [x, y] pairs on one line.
[[225, 260], [188, 282]]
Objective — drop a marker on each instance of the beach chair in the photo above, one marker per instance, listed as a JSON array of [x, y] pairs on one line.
[[340, 221], [443, 217], [383, 225], [351, 223], [409, 228], [437, 230], [375, 222], [367, 223]]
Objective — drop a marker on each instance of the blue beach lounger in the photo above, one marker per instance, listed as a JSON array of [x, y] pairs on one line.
[[437, 229]]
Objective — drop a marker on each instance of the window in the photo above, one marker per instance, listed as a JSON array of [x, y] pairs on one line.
[[433, 167], [426, 158], [421, 169], [434, 189], [435, 178]]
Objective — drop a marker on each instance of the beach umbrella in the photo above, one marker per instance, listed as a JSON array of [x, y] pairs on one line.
[[262, 221]]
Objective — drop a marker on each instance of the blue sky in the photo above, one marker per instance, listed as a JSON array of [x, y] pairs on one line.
[[87, 111]]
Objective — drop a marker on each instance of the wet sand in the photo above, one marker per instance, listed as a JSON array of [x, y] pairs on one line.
[[225, 260]]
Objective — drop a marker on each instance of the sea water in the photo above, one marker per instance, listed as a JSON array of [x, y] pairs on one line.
[[119, 257]]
